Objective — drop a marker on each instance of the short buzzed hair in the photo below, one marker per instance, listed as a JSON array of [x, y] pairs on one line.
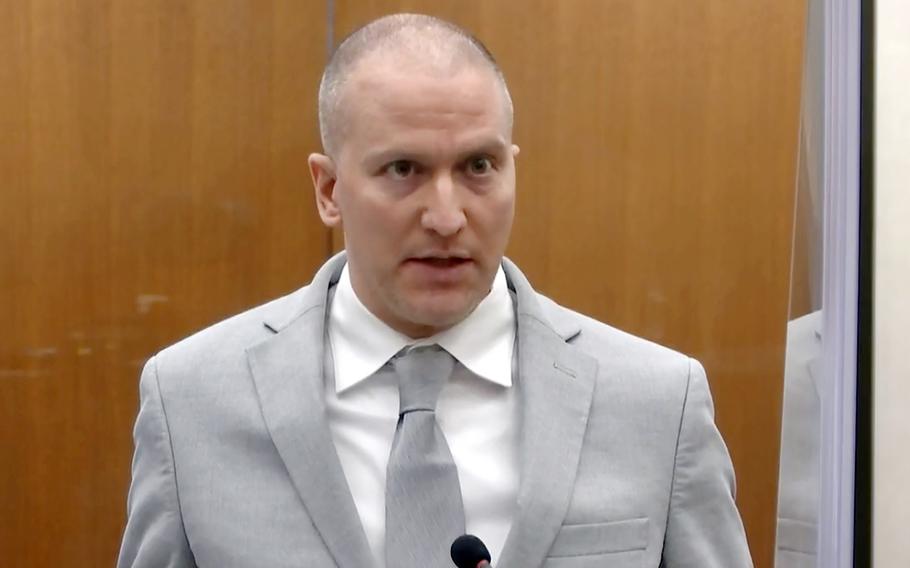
[[425, 39]]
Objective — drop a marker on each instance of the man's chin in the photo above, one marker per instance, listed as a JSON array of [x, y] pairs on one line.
[[440, 315]]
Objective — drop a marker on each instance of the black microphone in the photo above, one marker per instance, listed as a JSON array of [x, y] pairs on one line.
[[468, 551]]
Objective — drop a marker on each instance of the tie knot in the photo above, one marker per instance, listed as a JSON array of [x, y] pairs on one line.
[[422, 372]]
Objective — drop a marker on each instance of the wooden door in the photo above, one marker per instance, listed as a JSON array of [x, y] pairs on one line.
[[154, 180]]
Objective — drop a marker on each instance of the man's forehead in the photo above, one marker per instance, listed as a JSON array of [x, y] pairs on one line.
[[414, 42], [375, 82], [413, 91], [419, 123]]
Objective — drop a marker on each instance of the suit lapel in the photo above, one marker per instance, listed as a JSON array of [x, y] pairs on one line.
[[288, 373], [556, 386], [556, 383], [814, 364]]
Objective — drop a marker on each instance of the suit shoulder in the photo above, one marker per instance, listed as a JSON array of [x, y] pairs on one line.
[[621, 352], [232, 336]]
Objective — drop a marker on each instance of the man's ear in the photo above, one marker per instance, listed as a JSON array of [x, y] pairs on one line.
[[515, 150], [322, 170]]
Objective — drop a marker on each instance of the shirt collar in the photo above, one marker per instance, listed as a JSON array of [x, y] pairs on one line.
[[362, 343]]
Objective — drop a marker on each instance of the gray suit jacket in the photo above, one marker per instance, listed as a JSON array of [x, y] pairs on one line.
[[622, 465]]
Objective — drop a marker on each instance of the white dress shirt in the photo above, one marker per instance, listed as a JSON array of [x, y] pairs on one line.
[[477, 410]]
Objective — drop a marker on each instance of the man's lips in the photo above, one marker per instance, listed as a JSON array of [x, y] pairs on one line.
[[445, 271], [441, 262], [438, 264]]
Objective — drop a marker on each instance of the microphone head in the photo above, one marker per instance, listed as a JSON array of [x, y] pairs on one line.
[[468, 551]]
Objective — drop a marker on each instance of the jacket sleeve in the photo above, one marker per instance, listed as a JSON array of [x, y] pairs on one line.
[[154, 535], [704, 529]]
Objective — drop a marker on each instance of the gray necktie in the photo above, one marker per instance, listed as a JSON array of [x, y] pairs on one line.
[[424, 511]]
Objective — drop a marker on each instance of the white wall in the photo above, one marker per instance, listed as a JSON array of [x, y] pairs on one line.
[[891, 348]]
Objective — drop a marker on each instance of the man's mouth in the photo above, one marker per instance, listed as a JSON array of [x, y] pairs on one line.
[[443, 262]]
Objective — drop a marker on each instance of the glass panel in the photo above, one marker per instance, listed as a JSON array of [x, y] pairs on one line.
[[797, 522]]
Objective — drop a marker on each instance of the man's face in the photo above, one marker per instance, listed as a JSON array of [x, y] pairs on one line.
[[424, 185]]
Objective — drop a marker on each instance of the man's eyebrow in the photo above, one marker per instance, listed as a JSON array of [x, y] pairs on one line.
[[386, 155], [495, 146]]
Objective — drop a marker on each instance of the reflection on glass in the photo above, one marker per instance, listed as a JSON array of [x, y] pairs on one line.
[[797, 507], [797, 511]]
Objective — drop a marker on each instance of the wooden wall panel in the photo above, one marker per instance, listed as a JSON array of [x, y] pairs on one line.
[[656, 183], [153, 179], [152, 162]]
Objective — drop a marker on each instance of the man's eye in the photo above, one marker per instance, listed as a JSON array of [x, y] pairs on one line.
[[401, 169], [480, 166]]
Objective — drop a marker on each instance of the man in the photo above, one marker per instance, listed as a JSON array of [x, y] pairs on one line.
[[797, 499], [291, 435]]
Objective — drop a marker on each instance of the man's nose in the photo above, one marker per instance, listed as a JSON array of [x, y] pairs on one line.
[[444, 213]]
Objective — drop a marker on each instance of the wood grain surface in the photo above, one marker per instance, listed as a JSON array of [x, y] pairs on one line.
[[153, 180]]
